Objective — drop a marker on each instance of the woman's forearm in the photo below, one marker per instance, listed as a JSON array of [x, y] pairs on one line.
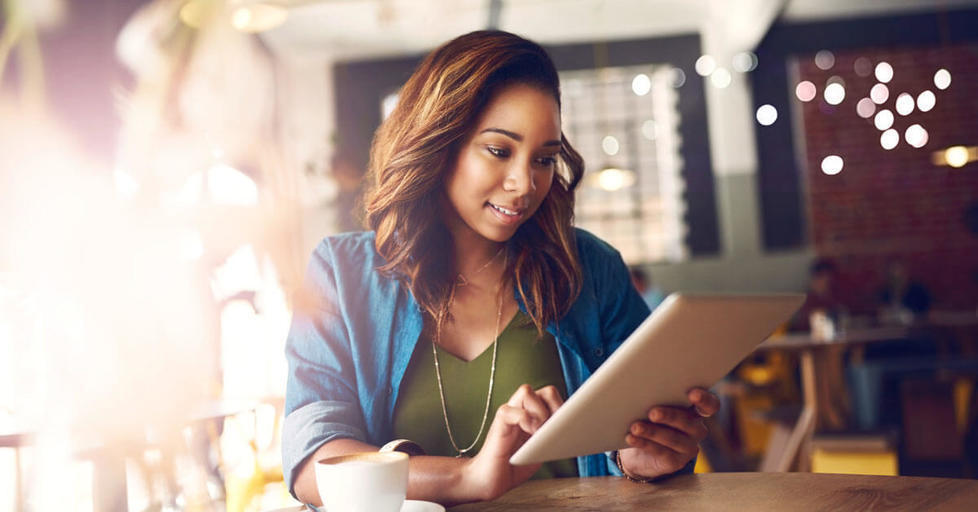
[[444, 480]]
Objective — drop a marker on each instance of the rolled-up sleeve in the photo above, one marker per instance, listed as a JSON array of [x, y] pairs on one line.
[[321, 401]]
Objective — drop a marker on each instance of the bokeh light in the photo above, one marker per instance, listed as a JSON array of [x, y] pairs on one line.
[[805, 91], [720, 78], [767, 115], [883, 119], [824, 60], [834, 93], [863, 67], [641, 84], [957, 156], [942, 79], [832, 165], [678, 78], [705, 65], [865, 108], [879, 94], [904, 104], [610, 145], [916, 136], [889, 139], [744, 62], [926, 101], [612, 179], [884, 72]]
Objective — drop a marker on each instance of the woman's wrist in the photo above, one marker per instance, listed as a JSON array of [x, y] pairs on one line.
[[446, 480], [626, 474]]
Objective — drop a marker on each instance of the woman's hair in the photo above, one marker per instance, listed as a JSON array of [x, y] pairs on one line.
[[417, 146]]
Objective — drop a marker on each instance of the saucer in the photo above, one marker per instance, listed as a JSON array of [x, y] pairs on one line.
[[421, 506], [414, 506]]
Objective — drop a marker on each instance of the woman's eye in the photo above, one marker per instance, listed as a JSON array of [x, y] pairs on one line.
[[547, 161], [497, 152]]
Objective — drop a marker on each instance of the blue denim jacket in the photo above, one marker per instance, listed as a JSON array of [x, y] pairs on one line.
[[348, 352]]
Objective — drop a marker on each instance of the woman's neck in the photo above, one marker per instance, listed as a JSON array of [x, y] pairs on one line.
[[478, 259]]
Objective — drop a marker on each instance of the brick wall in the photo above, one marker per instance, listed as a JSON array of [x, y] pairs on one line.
[[896, 203]]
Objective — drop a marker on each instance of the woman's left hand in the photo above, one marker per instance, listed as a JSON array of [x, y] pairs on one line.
[[669, 438]]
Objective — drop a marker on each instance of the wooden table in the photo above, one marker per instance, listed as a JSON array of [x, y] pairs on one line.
[[794, 492]]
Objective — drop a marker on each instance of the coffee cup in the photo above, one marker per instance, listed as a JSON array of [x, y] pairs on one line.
[[363, 482]]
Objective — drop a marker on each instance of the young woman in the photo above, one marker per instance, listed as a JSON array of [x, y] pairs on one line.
[[472, 307]]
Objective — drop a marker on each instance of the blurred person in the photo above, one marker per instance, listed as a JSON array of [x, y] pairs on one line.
[[650, 293], [823, 296], [470, 258], [901, 299]]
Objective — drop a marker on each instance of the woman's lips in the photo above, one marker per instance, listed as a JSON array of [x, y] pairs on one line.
[[506, 215]]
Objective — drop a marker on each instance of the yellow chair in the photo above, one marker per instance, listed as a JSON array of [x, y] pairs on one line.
[[855, 455]]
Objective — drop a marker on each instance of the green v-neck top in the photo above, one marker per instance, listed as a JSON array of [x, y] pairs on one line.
[[521, 359]]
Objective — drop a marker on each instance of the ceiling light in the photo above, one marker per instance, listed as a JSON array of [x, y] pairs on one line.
[[612, 179], [956, 156]]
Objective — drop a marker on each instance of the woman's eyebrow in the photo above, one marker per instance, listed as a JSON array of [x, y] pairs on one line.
[[517, 137]]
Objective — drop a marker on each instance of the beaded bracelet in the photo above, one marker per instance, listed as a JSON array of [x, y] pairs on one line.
[[625, 473]]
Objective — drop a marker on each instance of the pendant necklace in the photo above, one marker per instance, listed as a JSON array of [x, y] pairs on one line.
[[492, 370]]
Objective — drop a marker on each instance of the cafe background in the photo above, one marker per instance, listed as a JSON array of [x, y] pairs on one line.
[[166, 168]]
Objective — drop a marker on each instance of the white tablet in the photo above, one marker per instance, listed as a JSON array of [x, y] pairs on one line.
[[689, 340]]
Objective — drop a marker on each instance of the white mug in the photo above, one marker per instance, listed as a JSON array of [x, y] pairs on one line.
[[363, 482]]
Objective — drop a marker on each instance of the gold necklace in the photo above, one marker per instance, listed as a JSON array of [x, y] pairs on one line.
[[461, 280], [492, 374]]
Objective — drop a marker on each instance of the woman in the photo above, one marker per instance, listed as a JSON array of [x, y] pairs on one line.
[[472, 307]]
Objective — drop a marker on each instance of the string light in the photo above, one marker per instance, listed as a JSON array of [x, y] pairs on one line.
[[942, 79], [879, 94], [865, 108], [904, 104], [884, 72], [834, 93], [805, 91], [926, 101], [889, 139], [916, 136], [883, 120], [832, 165]]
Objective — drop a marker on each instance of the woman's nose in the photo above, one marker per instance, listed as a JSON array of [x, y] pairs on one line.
[[519, 179]]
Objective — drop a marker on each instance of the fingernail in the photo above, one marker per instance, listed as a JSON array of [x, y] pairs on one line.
[[656, 415]]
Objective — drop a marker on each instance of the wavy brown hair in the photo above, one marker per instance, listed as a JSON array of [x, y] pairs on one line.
[[417, 145]]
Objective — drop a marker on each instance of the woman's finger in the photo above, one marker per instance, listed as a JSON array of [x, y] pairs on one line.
[[519, 417], [705, 403], [670, 438], [667, 456], [525, 398], [681, 419], [551, 397]]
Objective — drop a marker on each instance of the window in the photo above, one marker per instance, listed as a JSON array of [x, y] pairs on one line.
[[624, 122]]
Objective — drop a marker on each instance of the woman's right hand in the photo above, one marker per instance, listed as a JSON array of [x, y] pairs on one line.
[[521, 416]]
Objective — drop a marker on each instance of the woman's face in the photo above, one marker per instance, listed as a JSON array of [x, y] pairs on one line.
[[505, 167]]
